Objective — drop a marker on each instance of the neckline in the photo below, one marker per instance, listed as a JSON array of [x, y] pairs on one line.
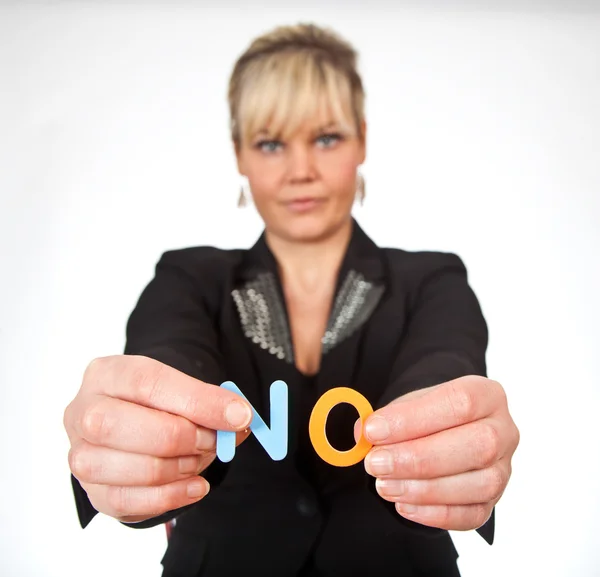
[[362, 255]]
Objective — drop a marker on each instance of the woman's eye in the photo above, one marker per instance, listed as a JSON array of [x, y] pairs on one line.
[[329, 139], [324, 141], [268, 145]]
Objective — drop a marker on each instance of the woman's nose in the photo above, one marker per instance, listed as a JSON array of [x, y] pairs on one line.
[[301, 163]]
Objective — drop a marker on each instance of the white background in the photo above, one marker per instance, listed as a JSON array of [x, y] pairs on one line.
[[483, 139]]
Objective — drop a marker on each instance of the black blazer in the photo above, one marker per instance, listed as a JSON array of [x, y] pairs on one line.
[[401, 321]]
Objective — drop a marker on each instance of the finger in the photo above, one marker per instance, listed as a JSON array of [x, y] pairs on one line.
[[358, 425], [147, 382], [104, 466], [484, 486], [125, 426], [125, 503], [357, 430], [470, 447], [441, 407], [449, 517]]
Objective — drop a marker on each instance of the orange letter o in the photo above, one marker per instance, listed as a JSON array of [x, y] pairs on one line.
[[318, 419]]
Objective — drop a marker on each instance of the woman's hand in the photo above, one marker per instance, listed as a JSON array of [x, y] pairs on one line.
[[141, 432], [443, 454]]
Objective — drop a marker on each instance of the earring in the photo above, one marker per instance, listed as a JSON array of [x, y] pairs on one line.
[[242, 200], [360, 188]]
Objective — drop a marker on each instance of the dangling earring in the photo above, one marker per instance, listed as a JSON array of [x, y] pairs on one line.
[[242, 200], [360, 188]]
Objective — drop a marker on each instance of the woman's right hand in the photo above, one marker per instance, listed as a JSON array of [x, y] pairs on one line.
[[141, 432]]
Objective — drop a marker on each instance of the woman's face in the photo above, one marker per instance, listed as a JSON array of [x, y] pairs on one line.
[[303, 188]]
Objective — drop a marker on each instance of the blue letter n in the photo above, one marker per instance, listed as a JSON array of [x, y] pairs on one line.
[[273, 440]]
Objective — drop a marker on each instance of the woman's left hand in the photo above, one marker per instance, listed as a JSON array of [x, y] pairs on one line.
[[443, 454]]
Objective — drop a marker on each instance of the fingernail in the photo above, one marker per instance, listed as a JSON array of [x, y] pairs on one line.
[[197, 488], [377, 429], [189, 465], [390, 487], [379, 463], [238, 415], [407, 508], [358, 430], [205, 439]]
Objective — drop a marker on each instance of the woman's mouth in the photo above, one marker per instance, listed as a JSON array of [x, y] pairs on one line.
[[301, 205]]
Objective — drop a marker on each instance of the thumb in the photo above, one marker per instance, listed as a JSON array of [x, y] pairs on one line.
[[358, 430]]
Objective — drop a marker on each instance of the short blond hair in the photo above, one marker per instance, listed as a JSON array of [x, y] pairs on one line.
[[287, 75]]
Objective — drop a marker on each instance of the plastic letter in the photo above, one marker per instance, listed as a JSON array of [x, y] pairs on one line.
[[273, 440], [318, 419]]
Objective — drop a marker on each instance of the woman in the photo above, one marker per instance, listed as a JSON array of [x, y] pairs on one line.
[[317, 304]]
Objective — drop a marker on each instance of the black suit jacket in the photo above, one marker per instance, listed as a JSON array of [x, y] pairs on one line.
[[400, 321]]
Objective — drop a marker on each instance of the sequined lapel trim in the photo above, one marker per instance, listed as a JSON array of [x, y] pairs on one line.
[[263, 317], [264, 321], [356, 300]]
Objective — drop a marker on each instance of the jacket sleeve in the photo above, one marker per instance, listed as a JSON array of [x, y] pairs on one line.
[[446, 337], [172, 323]]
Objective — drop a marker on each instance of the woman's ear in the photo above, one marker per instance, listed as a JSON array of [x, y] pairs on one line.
[[363, 141]]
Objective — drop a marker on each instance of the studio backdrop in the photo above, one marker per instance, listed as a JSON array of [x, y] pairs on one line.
[[483, 140]]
